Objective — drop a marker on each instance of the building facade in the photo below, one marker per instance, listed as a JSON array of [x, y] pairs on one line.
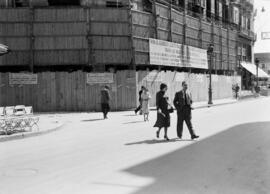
[[117, 35]]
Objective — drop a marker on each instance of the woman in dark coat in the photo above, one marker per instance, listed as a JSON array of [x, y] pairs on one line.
[[163, 111]]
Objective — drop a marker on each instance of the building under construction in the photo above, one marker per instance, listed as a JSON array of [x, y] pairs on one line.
[[64, 50]]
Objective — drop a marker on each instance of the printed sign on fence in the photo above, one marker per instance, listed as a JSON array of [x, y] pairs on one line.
[[99, 78], [23, 78]]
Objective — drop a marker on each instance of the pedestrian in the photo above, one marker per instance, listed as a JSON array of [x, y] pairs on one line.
[[237, 88], [140, 101], [105, 101], [183, 104], [145, 97], [163, 111]]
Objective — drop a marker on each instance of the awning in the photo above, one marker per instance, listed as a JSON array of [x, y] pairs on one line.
[[252, 69]]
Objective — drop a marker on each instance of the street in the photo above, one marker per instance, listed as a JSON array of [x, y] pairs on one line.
[[121, 155]]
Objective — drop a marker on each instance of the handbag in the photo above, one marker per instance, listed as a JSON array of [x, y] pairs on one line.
[[170, 109]]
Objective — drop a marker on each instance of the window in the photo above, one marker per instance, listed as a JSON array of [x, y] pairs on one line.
[[114, 4], [63, 2], [21, 3], [235, 15], [147, 6]]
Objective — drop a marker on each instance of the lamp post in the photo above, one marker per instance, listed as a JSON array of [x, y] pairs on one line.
[[210, 50], [257, 61]]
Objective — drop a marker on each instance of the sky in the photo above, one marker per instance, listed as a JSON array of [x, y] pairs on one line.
[[262, 24]]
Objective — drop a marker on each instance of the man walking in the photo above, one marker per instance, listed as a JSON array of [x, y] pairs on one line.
[[182, 102], [105, 100]]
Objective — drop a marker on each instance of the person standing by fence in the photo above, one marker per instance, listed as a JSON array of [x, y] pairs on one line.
[[105, 101], [145, 97]]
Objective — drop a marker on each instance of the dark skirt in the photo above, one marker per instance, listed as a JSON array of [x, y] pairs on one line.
[[163, 121]]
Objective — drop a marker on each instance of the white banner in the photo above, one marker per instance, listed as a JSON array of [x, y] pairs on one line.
[[99, 78], [172, 54], [23, 78]]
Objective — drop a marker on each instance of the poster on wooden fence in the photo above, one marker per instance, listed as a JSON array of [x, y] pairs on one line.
[[23, 78], [99, 78], [173, 54]]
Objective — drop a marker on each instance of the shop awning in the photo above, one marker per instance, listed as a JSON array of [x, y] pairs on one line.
[[252, 69]]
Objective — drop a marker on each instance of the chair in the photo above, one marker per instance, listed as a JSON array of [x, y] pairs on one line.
[[9, 111], [19, 110], [28, 110], [2, 111]]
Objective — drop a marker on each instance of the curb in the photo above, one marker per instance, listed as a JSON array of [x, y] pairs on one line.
[[246, 98], [30, 134]]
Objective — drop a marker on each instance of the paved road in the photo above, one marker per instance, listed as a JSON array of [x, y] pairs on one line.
[[122, 156]]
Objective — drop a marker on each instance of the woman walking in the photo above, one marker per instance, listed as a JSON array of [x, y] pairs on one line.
[[145, 97], [163, 111]]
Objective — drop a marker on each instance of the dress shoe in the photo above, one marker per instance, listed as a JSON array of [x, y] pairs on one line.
[[166, 137], [194, 136], [157, 134]]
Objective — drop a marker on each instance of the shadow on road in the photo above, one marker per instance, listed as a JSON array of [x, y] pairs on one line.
[[133, 122], [90, 120], [133, 115], [155, 141], [234, 161]]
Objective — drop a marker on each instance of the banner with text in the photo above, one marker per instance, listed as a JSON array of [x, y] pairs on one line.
[[99, 78], [22, 78], [177, 55]]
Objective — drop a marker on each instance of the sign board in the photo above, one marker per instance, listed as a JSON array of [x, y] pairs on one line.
[[265, 35], [23, 78], [177, 55], [99, 78]]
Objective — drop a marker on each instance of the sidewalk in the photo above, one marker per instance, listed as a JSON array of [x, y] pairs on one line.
[[47, 123]]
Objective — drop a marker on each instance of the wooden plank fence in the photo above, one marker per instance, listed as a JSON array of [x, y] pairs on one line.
[[63, 91]]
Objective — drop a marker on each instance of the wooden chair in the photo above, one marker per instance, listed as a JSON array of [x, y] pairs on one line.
[[9, 111]]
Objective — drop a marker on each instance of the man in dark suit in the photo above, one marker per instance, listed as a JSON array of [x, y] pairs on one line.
[[182, 102]]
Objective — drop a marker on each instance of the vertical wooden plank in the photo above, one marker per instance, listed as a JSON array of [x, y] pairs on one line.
[[53, 88]]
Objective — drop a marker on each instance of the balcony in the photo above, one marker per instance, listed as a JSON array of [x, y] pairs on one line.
[[247, 33]]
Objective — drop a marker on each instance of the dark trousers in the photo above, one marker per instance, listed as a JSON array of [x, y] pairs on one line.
[[138, 108], [105, 108], [184, 115]]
